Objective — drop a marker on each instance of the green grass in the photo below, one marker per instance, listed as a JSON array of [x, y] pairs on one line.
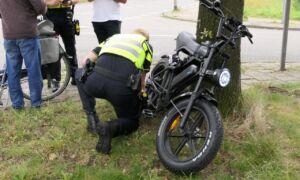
[[261, 142], [270, 9]]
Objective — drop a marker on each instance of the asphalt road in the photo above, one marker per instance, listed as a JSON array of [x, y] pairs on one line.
[[147, 14]]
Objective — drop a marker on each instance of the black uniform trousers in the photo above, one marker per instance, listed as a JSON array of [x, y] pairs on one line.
[[63, 26], [104, 30], [124, 100]]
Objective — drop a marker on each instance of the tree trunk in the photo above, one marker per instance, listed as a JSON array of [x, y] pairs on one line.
[[206, 28]]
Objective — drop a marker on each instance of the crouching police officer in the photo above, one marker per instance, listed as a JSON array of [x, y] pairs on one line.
[[118, 76], [61, 14]]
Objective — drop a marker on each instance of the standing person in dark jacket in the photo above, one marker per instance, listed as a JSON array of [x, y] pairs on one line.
[[60, 13], [19, 23], [120, 62]]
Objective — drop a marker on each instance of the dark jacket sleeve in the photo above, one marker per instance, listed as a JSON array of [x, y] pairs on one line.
[[97, 50], [39, 6]]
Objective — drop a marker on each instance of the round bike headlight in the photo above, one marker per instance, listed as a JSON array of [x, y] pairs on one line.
[[224, 77]]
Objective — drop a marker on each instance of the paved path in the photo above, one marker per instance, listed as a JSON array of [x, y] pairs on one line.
[[268, 73], [164, 31], [267, 36], [148, 14]]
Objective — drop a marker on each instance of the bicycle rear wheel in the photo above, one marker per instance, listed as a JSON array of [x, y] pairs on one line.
[[49, 91]]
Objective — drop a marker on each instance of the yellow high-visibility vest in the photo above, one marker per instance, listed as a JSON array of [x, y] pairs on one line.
[[130, 46], [58, 6]]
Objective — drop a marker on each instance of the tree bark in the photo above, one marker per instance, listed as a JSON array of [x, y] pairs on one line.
[[207, 25]]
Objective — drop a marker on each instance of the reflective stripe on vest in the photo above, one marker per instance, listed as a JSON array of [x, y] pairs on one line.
[[130, 46], [58, 6]]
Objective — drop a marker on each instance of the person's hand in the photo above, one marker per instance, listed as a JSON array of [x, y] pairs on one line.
[[53, 2], [83, 62]]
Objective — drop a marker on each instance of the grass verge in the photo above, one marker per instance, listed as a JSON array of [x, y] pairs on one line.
[[262, 141], [270, 9]]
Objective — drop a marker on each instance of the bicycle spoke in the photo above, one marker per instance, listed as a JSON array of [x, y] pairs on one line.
[[198, 137], [192, 146], [180, 146], [195, 122], [187, 141], [176, 136]]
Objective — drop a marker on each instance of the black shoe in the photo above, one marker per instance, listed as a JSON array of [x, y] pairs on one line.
[[105, 136], [93, 120], [55, 85], [73, 82]]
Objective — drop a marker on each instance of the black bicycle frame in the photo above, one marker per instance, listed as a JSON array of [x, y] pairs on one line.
[[196, 92], [203, 71]]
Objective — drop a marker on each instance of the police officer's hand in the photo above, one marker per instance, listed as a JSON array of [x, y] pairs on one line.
[[70, 2], [91, 56], [83, 62], [53, 2], [67, 2]]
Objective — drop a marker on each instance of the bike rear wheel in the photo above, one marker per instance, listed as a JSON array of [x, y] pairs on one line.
[[49, 91], [193, 148]]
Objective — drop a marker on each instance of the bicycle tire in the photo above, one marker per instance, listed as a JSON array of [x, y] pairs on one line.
[[196, 150], [47, 93]]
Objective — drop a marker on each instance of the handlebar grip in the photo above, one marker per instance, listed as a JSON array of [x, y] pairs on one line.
[[249, 34], [245, 31]]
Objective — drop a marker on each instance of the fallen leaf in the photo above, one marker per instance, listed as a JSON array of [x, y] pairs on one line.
[[124, 171], [84, 160], [52, 156], [73, 156]]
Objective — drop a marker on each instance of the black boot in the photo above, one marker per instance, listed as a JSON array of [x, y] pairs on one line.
[[73, 81], [106, 131], [93, 120]]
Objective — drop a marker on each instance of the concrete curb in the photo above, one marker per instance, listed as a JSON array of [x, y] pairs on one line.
[[166, 15]]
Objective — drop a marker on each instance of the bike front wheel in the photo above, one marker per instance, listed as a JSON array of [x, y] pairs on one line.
[[188, 150], [51, 87]]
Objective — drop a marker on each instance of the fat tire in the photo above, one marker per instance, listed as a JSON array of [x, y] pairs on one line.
[[215, 126]]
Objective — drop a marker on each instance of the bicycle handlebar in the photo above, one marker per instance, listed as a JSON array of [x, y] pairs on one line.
[[213, 6], [207, 2], [245, 32], [231, 24]]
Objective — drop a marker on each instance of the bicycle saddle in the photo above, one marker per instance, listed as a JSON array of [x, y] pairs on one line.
[[45, 28], [187, 43]]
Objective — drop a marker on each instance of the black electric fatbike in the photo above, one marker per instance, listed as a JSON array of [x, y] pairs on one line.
[[191, 131]]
